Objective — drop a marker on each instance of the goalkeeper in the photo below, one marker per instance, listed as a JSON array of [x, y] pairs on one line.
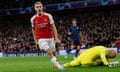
[[97, 55]]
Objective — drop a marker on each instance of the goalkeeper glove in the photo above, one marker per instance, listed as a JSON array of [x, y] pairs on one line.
[[113, 64]]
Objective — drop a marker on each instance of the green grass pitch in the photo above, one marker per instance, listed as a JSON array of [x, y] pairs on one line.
[[43, 64]]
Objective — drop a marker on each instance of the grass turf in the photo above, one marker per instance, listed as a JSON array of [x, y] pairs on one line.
[[42, 64]]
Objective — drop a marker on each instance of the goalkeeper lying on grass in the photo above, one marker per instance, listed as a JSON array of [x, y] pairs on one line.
[[97, 55]]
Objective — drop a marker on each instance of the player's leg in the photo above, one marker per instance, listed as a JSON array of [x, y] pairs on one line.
[[73, 63], [72, 46], [77, 51], [77, 44], [43, 44], [68, 50], [54, 60]]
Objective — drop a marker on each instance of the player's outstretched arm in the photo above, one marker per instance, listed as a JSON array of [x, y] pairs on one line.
[[103, 58]]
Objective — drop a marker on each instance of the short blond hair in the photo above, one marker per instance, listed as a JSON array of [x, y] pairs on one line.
[[38, 2]]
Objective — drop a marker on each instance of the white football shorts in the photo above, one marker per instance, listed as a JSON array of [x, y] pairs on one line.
[[44, 44]]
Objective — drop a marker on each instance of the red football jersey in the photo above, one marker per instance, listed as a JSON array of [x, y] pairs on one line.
[[42, 25]]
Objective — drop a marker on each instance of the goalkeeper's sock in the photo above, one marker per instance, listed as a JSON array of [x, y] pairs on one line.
[[55, 62]]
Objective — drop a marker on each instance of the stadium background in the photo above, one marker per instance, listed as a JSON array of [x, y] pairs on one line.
[[99, 21]]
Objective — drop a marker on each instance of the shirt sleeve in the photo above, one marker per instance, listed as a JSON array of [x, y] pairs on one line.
[[103, 57], [51, 19], [31, 20]]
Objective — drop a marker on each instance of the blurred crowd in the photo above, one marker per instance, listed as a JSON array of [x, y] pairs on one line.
[[98, 28], [8, 4], [16, 36]]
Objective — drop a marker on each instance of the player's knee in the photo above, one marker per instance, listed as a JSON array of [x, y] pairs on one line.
[[54, 53], [48, 50]]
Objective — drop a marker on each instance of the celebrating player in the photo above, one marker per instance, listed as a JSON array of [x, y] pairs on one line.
[[97, 55], [75, 35], [44, 31]]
